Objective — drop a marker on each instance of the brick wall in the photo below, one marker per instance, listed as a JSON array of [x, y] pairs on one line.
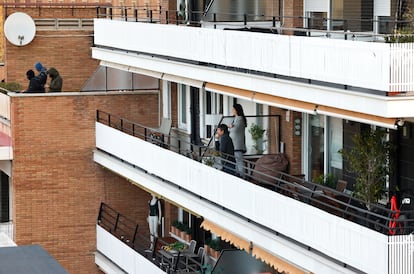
[[56, 186], [66, 50], [293, 144], [292, 10]]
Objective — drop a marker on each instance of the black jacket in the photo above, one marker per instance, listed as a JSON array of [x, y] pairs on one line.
[[34, 85], [226, 148]]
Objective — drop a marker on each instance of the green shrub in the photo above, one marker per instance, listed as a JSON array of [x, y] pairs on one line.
[[400, 38], [11, 86], [328, 180]]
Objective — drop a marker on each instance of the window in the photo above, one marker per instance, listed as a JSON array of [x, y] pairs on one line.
[[325, 140], [213, 105]]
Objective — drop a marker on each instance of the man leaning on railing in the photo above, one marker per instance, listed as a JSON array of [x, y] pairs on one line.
[[224, 144]]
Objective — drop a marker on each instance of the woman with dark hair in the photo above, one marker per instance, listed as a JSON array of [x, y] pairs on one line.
[[237, 133]]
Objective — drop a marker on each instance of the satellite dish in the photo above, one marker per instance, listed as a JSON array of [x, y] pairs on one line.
[[19, 29]]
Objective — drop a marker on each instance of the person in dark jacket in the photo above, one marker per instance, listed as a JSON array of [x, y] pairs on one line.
[[42, 76], [34, 83], [56, 81], [224, 144]]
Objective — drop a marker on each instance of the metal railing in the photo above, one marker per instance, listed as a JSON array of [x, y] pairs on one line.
[[379, 217], [118, 225]]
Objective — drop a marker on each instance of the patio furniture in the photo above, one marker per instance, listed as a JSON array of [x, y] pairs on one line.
[[192, 246], [157, 135], [196, 261], [267, 167], [341, 185]]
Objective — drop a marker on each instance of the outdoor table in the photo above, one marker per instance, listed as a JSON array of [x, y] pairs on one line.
[[171, 257]]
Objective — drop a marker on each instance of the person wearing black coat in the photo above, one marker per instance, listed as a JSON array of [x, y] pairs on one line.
[[224, 144], [34, 83]]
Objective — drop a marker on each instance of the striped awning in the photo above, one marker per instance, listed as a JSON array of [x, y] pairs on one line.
[[275, 262], [226, 235], [301, 106], [257, 252]]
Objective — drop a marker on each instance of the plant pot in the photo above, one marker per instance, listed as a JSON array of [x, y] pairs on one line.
[[215, 254], [182, 234], [187, 237]]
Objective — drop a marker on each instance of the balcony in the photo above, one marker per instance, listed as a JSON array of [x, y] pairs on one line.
[[269, 217], [283, 66]]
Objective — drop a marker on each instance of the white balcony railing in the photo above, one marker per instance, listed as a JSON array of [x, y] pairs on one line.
[[378, 66], [401, 254], [5, 106], [119, 257], [343, 240]]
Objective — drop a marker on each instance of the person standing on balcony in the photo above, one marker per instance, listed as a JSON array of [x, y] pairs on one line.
[[34, 83], [56, 81], [154, 218], [237, 133], [224, 144], [42, 76]]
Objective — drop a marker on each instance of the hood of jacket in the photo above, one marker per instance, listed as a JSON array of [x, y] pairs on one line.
[[53, 72]]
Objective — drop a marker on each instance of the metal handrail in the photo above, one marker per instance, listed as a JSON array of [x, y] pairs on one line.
[[122, 227]]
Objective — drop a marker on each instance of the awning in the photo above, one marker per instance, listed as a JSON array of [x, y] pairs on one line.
[[302, 106], [357, 116], [257, 252], [226, 235], [278, 264]]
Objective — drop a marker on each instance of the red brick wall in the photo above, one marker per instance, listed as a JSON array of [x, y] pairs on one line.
[[57, 187], [68, 51], [292, 10], [293, 144]]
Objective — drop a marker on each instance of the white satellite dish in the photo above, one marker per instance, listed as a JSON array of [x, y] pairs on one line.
[[19, 29]]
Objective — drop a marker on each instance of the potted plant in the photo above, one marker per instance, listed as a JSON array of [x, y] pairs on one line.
[[257, 132], [210, 157], [215, 247], [207, 245], [174, 227], [209, 160], [178, 246], [328, 180], [183, 229], [188, 232], [370, 159]]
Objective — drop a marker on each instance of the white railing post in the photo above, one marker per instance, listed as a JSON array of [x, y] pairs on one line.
[[401, 254], [401, 67]]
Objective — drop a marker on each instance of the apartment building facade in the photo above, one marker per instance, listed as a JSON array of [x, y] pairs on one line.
[[310, 92], [306, 76]]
